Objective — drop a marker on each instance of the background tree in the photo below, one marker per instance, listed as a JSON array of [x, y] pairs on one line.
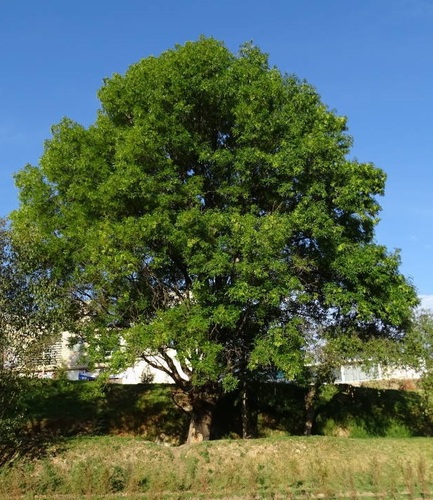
[[324, 360], [25, 331], [212, 211], [420, 342], [10, 414], [29, 324]]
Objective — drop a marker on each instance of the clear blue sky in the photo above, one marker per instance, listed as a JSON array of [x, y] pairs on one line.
[[370, 60]]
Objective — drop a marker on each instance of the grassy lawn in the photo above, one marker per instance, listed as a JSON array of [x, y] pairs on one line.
[[288, 467]]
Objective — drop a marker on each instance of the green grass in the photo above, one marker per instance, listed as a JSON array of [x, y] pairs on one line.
[[88, 441], [291, 467]]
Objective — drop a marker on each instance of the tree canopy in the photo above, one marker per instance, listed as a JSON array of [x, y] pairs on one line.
[[212, 209]]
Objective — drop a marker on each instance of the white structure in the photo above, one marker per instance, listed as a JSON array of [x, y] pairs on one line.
[[355, 374], [62, 356]]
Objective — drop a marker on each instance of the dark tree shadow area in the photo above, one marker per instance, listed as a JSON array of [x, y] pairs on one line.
[[87, 408], [281, 408], [342, 410], [29, 444], [368, 412], [55, 410]]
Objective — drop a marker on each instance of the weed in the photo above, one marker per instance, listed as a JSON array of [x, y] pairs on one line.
[[409, 478], [118, 479], [205, 454], [143, 484], [375, 475], [422, 475]]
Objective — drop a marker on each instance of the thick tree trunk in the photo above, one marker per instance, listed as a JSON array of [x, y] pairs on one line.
[[201, 423], [199, 404]]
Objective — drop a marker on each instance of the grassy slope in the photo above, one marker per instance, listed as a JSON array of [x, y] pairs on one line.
[[290, 467], [88, 441], [66, 408]]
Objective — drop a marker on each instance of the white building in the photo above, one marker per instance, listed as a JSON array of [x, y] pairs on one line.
[[355, 374], [62, 356]]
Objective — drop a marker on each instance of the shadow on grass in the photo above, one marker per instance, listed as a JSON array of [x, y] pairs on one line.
[[65, 408], [367, 412], [58, 409], [343, 410], [281, 408], [18, 438], [30, 445], [147, 410]]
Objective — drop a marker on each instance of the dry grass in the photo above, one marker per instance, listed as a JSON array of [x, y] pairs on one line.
[[318, 467]]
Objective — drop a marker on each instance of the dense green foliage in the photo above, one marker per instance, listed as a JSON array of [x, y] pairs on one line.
[[11, 415], [212, 209], [421, 338], [28, 321]]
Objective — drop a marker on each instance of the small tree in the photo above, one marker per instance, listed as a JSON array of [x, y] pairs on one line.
[[325, 358], [10, 408], [420, 340], [211, 210], [29, 322], [16, 345], [28, 325]]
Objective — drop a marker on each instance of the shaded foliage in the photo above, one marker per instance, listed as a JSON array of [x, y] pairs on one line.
[[28, 325]]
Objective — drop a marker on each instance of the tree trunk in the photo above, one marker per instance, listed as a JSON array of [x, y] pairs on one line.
[[248, 417], [199, 404], [244, 411], [201, 422], [310, 411]]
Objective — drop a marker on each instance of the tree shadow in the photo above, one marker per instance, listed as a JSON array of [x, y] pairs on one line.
[[373, 412], [20, 435], [29, 445], [57, 410], [147, 410]]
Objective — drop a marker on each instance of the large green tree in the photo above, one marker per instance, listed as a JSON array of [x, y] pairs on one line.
[[212, 211]]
